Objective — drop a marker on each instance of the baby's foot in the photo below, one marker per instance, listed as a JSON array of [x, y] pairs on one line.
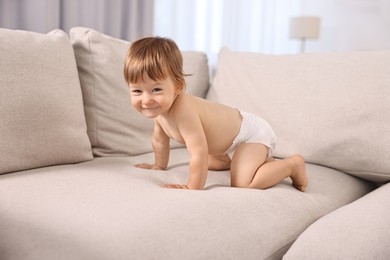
[[298, 174]]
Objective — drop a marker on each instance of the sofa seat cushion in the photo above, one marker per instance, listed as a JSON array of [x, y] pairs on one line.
[[42, 121], [360, 230], [115, 128], [333, 108], [108, 209]]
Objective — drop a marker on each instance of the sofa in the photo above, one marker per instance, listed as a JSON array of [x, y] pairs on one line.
[[69, 140]]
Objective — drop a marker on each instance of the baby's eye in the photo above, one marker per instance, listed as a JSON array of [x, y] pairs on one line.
[[136, 91], [156, 90]]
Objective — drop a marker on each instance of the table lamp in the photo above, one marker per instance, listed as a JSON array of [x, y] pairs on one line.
[[304, 27]]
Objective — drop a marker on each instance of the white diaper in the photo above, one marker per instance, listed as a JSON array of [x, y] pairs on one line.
[[254, 130]]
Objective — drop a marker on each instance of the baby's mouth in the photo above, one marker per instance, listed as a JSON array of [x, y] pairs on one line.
[[149, 108]]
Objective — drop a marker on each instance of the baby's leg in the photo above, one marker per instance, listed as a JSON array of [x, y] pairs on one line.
[[293, 167], [250, 168], [219, 162]]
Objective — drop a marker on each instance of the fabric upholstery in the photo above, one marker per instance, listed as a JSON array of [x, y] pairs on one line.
[[41, 107], [333, 108], [114, 126], [108, 209], [360, 230]]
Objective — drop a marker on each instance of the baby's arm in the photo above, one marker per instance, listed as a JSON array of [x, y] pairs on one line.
[[198, 164], [191, 130], [160, 143]]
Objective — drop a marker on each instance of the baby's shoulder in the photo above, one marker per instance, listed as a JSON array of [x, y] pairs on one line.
[[185, 105], [185, 101]]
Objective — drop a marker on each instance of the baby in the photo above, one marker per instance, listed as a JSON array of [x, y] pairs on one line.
[[210, 131]]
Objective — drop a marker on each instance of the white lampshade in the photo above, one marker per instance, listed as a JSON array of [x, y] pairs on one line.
[[304, 27]]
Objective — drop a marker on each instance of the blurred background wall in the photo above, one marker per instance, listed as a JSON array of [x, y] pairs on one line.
[[207, 25], [126, 19]]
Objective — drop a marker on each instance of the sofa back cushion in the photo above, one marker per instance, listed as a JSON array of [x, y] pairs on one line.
[[333, 108], [42, 120], [115, 128]]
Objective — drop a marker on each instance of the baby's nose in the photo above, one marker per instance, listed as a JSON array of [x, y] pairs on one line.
[[147, 99]]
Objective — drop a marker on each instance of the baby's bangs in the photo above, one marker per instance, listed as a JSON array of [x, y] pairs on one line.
[[153, 71], [151, 67], [135, 74]]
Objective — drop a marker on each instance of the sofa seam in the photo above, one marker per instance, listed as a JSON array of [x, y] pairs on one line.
[[88, 32], [285, 247]]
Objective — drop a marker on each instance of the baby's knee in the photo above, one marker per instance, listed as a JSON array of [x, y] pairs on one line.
[[240, 183], [248, 186], [219, 163]]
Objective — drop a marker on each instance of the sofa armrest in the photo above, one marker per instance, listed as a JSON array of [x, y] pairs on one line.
[[360, 230]]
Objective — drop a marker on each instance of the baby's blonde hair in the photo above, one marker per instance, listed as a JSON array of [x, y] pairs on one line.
[[155, 57]]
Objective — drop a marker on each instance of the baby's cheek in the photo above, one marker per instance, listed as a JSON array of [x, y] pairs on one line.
[[134, 102]]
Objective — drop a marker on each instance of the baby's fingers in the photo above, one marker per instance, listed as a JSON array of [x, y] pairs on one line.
[[143, 165], [175, 186], [149, 166]]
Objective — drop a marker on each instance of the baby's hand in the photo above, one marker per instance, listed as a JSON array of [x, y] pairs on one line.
[[175, 186], [148, 166]]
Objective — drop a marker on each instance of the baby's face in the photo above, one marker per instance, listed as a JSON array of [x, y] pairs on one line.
[[153, 98]]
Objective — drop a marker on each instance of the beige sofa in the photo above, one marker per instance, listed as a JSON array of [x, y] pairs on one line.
[[69, 138]]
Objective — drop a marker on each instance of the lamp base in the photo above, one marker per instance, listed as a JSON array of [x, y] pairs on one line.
[[303, 42]]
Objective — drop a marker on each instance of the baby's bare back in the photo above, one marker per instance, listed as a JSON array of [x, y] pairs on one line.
[[221, 123]]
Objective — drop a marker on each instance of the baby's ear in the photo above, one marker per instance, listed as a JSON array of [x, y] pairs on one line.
[[179, 88]]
